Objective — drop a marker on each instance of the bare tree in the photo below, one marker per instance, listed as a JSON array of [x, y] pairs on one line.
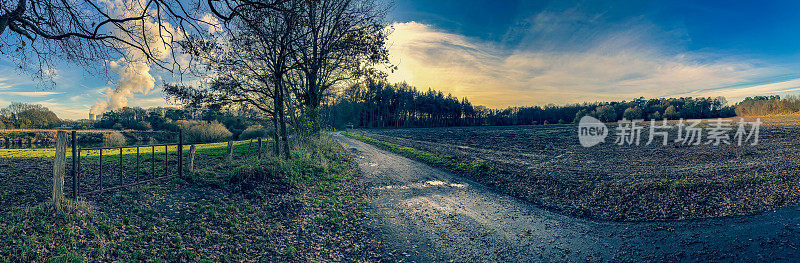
[[289, 55], [342, 39], [88, 31], [251, 62]]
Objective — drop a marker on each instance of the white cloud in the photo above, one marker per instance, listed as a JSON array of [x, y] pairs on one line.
[[65, 111], [776, 88], [211, 23], [559, 63]]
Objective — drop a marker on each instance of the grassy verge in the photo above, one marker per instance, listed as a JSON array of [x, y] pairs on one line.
[[443, 161], [305, 209]]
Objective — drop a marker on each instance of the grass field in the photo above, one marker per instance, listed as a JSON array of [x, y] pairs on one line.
[[27, 173], [205, 148]]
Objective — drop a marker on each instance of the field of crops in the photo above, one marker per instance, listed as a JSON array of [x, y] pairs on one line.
[[546, 165]]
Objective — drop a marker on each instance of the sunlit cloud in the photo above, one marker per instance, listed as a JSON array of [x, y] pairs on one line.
[[559, 61], [776, 88], [65, 111]]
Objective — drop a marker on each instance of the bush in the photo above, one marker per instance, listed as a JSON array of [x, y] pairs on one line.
[[254, 131], [90, 137], [141, 126], [205, 132], [114, 139], [170, 126]]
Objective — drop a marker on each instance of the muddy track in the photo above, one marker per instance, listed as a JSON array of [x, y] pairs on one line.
[[426, 214]]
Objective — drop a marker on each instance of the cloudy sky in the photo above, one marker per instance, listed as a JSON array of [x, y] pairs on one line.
[[515, 53]]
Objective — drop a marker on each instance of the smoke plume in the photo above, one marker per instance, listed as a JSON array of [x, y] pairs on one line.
[[133, 69], [134, 77]]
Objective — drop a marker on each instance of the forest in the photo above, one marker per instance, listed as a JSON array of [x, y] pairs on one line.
[[768, 105], [378, 104]]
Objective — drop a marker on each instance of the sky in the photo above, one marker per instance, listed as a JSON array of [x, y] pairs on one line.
[[523, 53]]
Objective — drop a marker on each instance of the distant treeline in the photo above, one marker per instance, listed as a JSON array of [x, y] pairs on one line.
[[220, 123], [383, 105], [378, 104], [27, 116], [768, 105]]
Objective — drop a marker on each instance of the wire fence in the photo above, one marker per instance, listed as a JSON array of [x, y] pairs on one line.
[[99, 169]]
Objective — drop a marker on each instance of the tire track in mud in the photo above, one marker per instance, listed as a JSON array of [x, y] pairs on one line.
[[425, 214]]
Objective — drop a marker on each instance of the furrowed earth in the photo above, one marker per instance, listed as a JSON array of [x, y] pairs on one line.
[[546, 165]]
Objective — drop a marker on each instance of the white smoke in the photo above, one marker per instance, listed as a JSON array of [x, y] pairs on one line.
[[134, 70], [134, 77]]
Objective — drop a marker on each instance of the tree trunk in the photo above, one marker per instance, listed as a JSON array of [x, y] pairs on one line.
[[282, 120], [276, 148]]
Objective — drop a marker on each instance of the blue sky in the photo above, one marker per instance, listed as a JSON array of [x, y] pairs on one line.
[[515, 53]]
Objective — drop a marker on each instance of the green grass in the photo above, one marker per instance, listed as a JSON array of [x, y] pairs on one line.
[[445, 161], [324, 172], [218, 148]]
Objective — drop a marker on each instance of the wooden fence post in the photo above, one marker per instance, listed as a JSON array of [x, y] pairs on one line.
[[191, 159], [138, 172], [153, 161], [100, 178], [259, 148], [230, 150], [74, 167], [121, 168], [180, 153], [58, 166]]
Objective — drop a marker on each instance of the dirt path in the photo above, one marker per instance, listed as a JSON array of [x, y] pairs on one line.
[[426, 214]]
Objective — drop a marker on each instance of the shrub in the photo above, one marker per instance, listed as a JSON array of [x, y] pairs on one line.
[[141, 126], [114, 139], [90, 137], [206, 132], [254, 131]]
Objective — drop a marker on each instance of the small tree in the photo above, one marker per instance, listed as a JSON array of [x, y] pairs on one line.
[[655, 116], [633, 113], [671, 113], [606, 113]]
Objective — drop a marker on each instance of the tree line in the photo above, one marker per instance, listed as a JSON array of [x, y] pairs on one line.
[[19, 115], [377, 104], [768, 105], [173, 119]]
